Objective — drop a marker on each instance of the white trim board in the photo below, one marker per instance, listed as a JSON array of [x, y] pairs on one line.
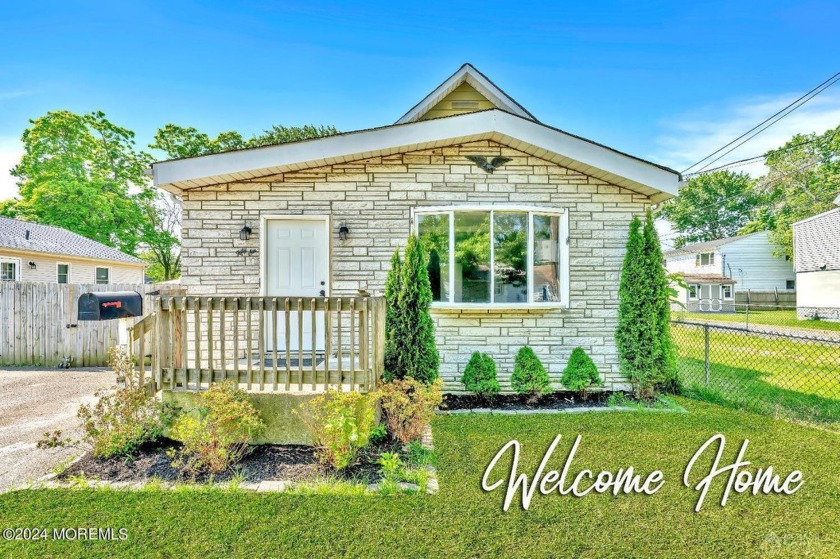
[[519, 133]]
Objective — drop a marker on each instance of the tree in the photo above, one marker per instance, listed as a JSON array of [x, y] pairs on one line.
[[580, 373], [643, 337], [480, 375], [393, 287], [529, 375], [412, 332], [712, 206], [803, 180], [179, 141], [162, 248], [83, 173]]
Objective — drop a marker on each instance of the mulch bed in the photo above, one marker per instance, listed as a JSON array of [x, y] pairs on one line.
[[263, 463], [514, 402]]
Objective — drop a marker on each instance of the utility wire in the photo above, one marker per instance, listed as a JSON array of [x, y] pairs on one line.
[[767, 123]]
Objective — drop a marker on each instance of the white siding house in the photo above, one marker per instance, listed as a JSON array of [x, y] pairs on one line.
[[714, 269], [816, 250]]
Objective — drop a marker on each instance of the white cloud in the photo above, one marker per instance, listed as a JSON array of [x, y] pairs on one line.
[[689, 137], [10, 152]]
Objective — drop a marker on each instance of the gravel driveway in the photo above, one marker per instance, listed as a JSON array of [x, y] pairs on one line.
[[33, 401]]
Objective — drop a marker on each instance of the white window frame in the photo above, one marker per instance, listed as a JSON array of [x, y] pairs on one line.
[[16, 262], [711, 257], [96, 280], [723, 288], [57, 264], [563, 233], [696, 291]]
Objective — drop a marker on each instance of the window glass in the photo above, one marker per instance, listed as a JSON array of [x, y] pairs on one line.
[[102, 275], [63, 273], [692, 291], [433, 232], [8, 271], [510, 249], [790, 284], [727, 291], [472, 257], [546, 269], [707, 258]]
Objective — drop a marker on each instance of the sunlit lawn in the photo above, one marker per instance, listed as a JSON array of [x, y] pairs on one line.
[[762, 317]]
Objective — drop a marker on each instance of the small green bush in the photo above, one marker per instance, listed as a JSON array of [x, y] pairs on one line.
[[480, 375], [409, 406], [529, 376], [580, 373], [340, 424], [218, 432]]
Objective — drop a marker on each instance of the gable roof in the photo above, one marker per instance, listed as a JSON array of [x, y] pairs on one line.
[[523, 134], [696, 248], [57, 241], [481, 83]]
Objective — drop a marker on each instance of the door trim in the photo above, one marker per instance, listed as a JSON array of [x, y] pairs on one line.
[[264, 219]]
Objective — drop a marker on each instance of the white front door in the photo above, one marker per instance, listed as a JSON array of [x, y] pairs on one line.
[[296, 265]]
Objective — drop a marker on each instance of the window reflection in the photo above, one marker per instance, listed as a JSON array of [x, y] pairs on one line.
[[546, 270], [433, 232], [472, 257], [510, 246]]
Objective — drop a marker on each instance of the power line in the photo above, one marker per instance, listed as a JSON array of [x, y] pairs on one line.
[[767, 123], [747, 160]]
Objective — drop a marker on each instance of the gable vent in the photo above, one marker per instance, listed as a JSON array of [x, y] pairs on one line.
[[464, 104]]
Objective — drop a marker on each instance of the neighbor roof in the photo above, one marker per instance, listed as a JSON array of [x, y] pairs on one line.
[[708, 278], [55, 240], [696, 248]]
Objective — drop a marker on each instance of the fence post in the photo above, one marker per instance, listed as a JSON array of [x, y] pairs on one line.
[[748, 316], [706, 359]]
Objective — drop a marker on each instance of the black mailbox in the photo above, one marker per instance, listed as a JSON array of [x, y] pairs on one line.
[[110, 305]]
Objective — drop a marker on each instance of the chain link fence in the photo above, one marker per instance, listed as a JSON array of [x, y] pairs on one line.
[[784, 374], [821, 322]]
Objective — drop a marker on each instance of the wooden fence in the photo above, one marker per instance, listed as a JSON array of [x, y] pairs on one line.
[[39, 324], [263, 343]]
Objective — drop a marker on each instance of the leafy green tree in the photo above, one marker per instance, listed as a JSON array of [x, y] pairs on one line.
[[803, 180], [393, 287], [643, 336], [529, 375], [83, 173], [480, 375], [580, 373], [712, 206]]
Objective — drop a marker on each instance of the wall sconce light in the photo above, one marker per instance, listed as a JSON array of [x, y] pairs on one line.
[[245, 233], [32, 265], [343, 231]]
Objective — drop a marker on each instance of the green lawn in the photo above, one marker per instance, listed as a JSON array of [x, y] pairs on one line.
[[765, 317], [464, 521], [769, 374]]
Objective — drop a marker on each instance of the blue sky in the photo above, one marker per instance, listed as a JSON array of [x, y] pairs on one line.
[[670, 81]]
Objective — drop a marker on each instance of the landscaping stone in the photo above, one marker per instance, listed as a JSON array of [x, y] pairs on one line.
[[273, 486]]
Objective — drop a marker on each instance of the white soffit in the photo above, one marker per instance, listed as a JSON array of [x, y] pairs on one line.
[[520, 133]]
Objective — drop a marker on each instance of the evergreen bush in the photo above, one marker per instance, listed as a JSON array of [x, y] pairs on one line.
[[480, 375], [393, 286], [529, 375], [580, 373]]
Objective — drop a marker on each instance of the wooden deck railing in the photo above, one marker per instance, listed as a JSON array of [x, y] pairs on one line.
[[264, 343]]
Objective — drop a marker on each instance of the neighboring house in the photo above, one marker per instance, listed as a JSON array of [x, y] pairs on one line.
[[323, 217], [42, 253], [816, 256], [712, 270]]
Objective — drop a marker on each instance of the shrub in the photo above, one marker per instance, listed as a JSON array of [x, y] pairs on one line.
[[122, 419], [480, 375], [410, 332], [217, 434], [643, 337], [409, 406], [529, 376], [580, 373], [340, 424]]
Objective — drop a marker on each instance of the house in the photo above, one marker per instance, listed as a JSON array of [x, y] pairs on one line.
[[525, 225], [816, 257], [32, 252], [713, 270]]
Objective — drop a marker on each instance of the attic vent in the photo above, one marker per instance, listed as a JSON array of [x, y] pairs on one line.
[[464, 104]]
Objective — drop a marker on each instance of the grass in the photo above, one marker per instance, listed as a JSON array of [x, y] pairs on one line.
[[464, 521], [765, 317], [784, 377]]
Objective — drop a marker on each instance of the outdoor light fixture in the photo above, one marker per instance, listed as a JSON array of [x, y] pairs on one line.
[[343, 231], [32, 265], [245, 233]]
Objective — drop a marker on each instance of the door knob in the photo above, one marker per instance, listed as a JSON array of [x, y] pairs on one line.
[[323, 283]]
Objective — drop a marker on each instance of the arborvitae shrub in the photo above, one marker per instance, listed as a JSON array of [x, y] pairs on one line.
[[393, 286], [529, 376], [480, 375], [580, 372]]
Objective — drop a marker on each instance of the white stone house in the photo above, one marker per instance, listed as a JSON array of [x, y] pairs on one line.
[[816, 256], [713, 270], [526, 249]]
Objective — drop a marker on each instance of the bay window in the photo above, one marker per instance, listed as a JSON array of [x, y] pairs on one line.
[[504, 256]]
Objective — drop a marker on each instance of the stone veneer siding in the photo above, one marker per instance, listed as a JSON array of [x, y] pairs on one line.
[[374, 196]]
